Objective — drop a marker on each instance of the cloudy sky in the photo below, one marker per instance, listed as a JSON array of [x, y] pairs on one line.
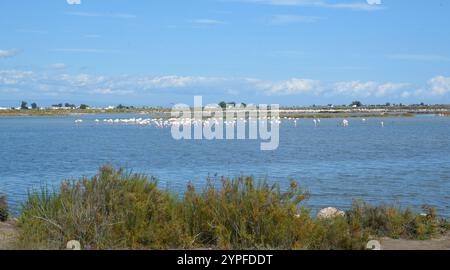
[[292, 52]]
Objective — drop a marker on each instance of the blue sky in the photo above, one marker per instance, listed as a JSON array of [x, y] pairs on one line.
[[292, 52]]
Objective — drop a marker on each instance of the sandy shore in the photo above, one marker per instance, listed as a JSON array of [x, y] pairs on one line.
[[442, 243], [8, 234]]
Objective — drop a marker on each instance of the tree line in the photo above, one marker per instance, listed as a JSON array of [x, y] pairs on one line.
[[34, 106]]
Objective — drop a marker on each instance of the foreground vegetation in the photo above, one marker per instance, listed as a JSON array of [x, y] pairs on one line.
[[3, 209], [119, 210]]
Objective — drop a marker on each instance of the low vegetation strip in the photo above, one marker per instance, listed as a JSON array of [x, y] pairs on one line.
[[119, 210], [65, 112], [299, 112]]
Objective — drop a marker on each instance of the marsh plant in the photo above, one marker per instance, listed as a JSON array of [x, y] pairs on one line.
[[396, 223], [119, 210]]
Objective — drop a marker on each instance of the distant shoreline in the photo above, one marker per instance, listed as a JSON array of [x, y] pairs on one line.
[[311, 112]]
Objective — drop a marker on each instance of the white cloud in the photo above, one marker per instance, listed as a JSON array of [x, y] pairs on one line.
[[73, 2], [9, 90], [58, 66], [107, 15], [355, 88], [439, 85], [208, 21], [14, 77], [291, 87], [321, 4], [140, 86], [290, 19], [8, 53], [367, 89], [390, 88], [173, 81], [109, 91]]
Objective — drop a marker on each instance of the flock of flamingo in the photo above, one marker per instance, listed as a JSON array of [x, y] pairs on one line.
[[162, 123]]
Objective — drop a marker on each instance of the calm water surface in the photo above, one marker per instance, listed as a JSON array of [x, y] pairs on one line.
[[406, 163]]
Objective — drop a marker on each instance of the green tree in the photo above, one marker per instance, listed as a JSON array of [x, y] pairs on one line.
[[34, 106], [223, 105], [24, 105], [356, 103], [83, 107]]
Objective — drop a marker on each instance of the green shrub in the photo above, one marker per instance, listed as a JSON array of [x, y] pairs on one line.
[[242, 214], [113, 210], [118, 210], [397, 223], [4, 213], [338, 234]]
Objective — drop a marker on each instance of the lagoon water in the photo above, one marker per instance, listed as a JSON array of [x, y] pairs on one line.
[[406, 163]]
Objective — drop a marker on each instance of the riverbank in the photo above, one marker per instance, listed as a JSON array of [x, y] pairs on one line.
[[118, 210]]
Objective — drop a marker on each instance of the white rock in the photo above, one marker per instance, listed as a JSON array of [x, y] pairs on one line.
[[73, 245], [330, 212], [374, 245]]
